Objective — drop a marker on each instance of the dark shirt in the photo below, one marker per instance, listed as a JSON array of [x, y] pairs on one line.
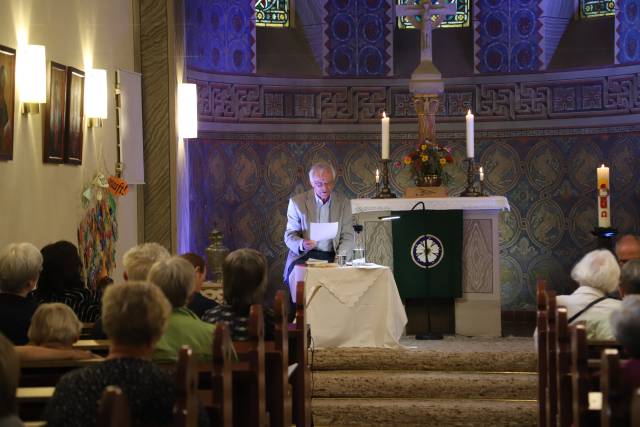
[[84, 303], [15, 317], [239, 323], [149, 390], [199, 304]]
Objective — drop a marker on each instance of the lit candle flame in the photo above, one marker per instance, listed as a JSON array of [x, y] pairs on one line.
[[384, 115]]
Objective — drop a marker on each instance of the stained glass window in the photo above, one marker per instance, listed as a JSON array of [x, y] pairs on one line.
[[460, 19], [273, 13], [596, 8]]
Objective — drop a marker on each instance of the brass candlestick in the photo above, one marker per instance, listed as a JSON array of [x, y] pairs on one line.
[[385, 191], [471, 190]]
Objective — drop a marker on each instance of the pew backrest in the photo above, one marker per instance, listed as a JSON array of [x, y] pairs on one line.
[[185, 408], [113, 409]]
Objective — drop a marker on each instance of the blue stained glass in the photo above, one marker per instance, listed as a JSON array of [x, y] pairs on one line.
[[460, 19], [597, 8], [273, 13]]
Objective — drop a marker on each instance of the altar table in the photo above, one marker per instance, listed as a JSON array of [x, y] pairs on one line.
[[351, 306]]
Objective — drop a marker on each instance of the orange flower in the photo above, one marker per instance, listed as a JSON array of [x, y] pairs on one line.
[[443, 161], [424, 157], [423, 147], [407, 160]]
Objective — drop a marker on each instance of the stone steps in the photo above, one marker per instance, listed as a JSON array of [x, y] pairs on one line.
[[423, 384], [424, 412]]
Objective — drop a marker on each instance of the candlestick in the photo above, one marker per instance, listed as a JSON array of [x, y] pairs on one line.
[[469, 118], [385, 191], [385, 136], [377, 176], [481, 174], [471, 190], [604, 197]]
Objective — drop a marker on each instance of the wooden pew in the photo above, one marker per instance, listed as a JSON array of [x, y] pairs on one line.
[[222, 377], [615, 399], [100, 347], [277, 362], [113, 408], [185, 409], [47, 373], [32, 402], [541, 321], [635, 408], [552, 395], [563, 368], [301, 378]]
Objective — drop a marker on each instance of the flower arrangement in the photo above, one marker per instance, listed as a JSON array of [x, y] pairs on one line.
[[427, 164]]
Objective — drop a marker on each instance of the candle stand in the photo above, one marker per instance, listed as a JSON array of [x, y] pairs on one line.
[[385, 191], [471, 190], [605, 237]]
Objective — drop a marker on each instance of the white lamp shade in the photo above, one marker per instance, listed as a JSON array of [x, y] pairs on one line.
[[32, 74], [187, 110], [95, 94]]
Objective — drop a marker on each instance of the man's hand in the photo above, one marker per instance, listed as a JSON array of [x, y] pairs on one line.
[[307, 245]]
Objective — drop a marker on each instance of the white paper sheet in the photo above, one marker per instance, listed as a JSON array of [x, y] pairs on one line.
[[323, 230]]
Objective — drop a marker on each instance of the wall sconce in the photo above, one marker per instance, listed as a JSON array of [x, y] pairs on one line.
[[95, 97], [32, 77], [187, 110]]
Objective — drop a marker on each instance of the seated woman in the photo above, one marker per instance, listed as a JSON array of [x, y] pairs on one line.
[[198, 303], [175, 277], [626, 328], [62, 281], [20, 265], [54, 325], [134, 315], [244, 282], [9, 374], [597, 274]]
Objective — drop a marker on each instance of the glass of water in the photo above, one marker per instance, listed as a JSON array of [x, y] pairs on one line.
[[358, 256]]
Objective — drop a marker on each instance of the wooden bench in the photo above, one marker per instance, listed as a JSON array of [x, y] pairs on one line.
[[113, 408], [279, 403], [298, 353], [47, 373], [541, 323]]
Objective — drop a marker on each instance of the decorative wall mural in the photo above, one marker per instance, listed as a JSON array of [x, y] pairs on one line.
[[507, 35], [358, 38], [627, 49], [544, 234]]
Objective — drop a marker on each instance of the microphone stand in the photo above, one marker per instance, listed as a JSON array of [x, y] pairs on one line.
[[429, 335]]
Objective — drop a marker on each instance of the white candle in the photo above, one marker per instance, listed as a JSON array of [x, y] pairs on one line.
[[604, 195], [385, 136], [377, 176], [469, 135], [481, 173]]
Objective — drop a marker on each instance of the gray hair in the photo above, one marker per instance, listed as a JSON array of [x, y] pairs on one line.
[[10, 373], [320, 167], [138, 260], [598, 269], [630, 277], [54, 323], [20, 263], [625, 323], [134, 313], [176, 277]]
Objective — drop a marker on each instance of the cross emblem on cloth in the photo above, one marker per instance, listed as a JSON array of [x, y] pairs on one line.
[[426, 10]]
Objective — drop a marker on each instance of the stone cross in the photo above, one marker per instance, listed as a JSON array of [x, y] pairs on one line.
[[425, 9]]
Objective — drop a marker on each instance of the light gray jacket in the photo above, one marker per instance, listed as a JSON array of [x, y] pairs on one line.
[[302, 212]]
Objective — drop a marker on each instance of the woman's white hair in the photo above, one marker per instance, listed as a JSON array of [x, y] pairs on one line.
[[597, 269], [138, 260], [318, 167], [625, 324], [54, 323], [20, 263], [176, 277]]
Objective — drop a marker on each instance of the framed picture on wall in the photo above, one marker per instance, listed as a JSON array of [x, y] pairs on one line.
[[7, 100], [54, 117], [75, 115]]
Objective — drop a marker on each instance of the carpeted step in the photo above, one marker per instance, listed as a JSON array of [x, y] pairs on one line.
[[413, 412], [424, 384], [423, 360]]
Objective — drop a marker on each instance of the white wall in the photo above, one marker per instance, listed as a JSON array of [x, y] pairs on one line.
[[41, 203]]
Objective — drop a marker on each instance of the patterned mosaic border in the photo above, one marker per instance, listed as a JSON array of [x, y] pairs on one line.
[[552, 96]]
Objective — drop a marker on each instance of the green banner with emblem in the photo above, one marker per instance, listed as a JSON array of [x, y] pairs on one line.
[[427, 253]]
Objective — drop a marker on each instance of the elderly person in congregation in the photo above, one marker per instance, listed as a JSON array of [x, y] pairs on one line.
[[626, 328], [20, 266], [9, 374], [627, 248], [176, 278], [62, 281], [135, 315], [320, 205], [597, 275]]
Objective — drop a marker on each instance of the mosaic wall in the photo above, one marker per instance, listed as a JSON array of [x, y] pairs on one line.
[[220, 35], [507, 35], [242, 186], [628, 32], [358, 38]]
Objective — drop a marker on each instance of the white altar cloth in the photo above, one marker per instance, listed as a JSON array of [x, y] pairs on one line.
[[431, 203], [351, 307]]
